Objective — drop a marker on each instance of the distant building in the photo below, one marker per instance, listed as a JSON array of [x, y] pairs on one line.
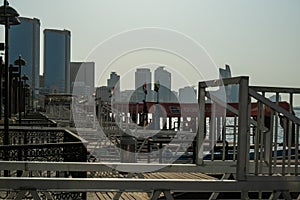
[[174, 96], [102, 94], [187, 95], [113, 84], [42, 81], [57, 49], [42, 92], [126, 96], [273, 98], [231, 90], [24, 40], [225, 73], [142, 76], [164, 78], [83, 72]]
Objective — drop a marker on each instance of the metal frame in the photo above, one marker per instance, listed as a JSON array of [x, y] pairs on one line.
[[146, 185]]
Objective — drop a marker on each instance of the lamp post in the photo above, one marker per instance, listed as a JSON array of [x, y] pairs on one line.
[[8, 17], [20, 62], [13, 77], [1, 73]]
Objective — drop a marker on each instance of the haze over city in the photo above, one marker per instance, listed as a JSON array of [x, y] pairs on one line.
[[149, 99], [257, 38]]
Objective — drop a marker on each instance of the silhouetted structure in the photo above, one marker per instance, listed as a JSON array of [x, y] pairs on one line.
[[113, 84], [231, 90], [57, 60], [164, 78], [25, 41], [142, 76]]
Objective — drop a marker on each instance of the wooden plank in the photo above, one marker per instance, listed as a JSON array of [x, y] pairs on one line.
[[100, 195], [154, 175], [189, 176], [125, 196], [178, 175]]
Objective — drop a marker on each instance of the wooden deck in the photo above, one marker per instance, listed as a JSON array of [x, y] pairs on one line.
[[144, 195]]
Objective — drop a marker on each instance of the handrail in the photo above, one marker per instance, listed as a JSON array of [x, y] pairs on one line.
[[145, 185], [275, 89]]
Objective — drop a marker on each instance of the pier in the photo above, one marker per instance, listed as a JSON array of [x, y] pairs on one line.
[[250, 148]]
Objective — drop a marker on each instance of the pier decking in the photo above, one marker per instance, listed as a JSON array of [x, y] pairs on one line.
[[155, 175]]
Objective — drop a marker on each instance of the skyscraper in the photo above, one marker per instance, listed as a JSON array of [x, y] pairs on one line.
[[142, 77], [25, 41], [113, 84], [187, 95], [231, 90], [164, 78], [57, 60], [83, 72]]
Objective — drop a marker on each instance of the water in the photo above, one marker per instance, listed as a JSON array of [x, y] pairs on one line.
[[230, 137]]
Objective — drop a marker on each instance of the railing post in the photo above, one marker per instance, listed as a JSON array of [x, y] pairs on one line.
[[243, 130], [201, 125]]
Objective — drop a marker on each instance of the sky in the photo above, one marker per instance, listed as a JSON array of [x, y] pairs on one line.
[[259, 39]]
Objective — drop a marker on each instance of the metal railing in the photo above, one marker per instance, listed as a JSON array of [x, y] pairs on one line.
[[232, 138], [276, 148], [35, 119], [261, 136], [47, 145]]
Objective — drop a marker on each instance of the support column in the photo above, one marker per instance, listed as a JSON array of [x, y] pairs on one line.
[[201, 125], [243, 130]]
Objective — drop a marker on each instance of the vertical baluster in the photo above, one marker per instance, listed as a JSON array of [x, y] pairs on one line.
[[224, 146], [270, 142], [276, 134], [212, 131], [234, 137], [256, 141], [284, 145], [261, 136], [265, 125], [290, 133], [297, 150]]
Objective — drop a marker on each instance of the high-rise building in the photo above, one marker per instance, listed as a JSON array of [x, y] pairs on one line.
[[231, 90], [57, 50], [113, 85], [83, 72], [187, 95], [164, 78], [142, 77], [25, 41], [102, 94]]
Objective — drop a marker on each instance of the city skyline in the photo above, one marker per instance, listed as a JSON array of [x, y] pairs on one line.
[[145, 88], [258, 39], [253, 37]]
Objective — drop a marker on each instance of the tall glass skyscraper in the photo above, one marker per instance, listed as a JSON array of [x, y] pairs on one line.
[[142, 76], [83, 73], [113, 84], [164, 78], [25, 41], [57, 50]]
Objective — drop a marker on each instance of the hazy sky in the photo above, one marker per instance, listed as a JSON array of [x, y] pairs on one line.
[[257, 38]]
